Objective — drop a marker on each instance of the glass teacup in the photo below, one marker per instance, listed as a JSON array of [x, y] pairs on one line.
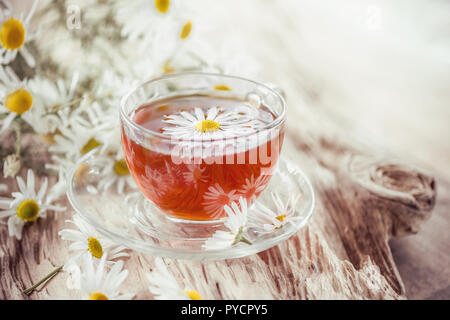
[[195, 142]]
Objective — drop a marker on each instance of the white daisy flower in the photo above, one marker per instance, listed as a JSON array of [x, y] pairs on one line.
[[227, 58], [50, 98], [161, 22], [15, 34], [54, 94], [15, 98], [86, 241], [164, 286], [93, 114], [77, 140], [99, 284], [216, 198], [73, 276], [72, 54], [115, 171], [235, 223], [61, 163], [60, 187], [111, 135], [215, 124], [253, 186], [26, 205], [111, 87], [268, 220], [112, 142], [80, 131]]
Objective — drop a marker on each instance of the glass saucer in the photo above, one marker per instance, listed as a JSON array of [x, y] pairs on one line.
[[131, 220]]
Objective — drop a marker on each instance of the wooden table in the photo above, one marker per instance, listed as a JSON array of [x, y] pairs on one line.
[[369, 191]]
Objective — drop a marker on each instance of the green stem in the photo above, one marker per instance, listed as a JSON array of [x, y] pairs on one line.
[[245, 240], [50, 275], [18, 140], [240, 238]]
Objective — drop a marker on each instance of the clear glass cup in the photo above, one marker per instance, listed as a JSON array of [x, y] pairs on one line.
[[191, 178]]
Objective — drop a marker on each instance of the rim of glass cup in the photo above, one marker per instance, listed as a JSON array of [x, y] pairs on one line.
[[278, 121]]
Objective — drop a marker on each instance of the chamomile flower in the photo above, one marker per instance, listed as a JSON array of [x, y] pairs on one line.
[[162, 22], [235, 223], [54, 94], [110, 135], [227, 58], [77, 140], [111, 87], [15, 97], [115, 171], [60, 187], [269, 220], [86, 241], [73, 276], [215, 124], [164, 286], [15, 34], [51, 97], [89, 55], [60, 163], [216, 198], [26, 205], [97, 283], [92, 114]]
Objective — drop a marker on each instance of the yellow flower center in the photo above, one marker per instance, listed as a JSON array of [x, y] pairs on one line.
[[281, 218], [167, 68], [19, 101], [193, 295], [207, 126], [12, 34], [121, 168], [222, 87], [95, 247], [186, 30], [28, 210], [91, 144], [162, 5], [82, 174], [49, 137], [98, 296]]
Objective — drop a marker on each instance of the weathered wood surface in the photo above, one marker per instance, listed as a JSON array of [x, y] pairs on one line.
[[365, 197]]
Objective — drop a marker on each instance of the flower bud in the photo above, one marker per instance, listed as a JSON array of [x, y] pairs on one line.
[[11, 166]]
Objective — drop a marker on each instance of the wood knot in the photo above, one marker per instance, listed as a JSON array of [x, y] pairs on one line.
[[394, 181]]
